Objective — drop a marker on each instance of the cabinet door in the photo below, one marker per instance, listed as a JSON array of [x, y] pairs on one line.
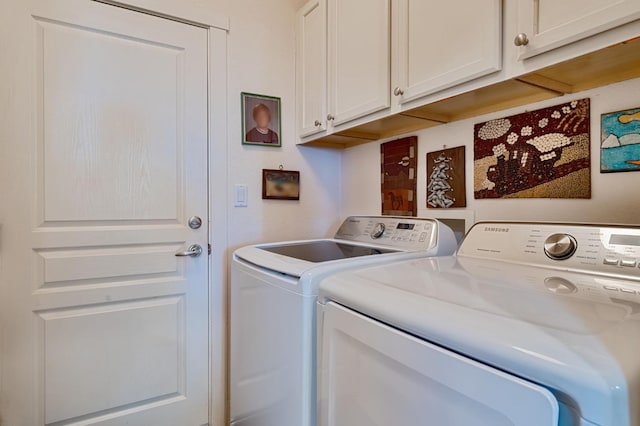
[[548, 24], [442, 44], [311, 67], [359, 64]]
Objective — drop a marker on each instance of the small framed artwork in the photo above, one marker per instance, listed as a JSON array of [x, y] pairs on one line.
[[620, 143], [280, 185], [446, 186], [261, 120], [398, 165]]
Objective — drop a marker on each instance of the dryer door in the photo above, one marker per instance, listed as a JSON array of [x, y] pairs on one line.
[[374, 375]]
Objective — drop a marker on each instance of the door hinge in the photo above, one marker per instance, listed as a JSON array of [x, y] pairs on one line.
[[209, 249]]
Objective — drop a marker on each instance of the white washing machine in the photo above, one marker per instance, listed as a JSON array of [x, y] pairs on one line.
[[529, 325], [273, 302]]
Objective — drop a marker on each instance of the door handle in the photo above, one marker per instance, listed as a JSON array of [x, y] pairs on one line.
[[194, 250]]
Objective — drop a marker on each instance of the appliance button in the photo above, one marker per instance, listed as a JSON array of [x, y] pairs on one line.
[[631, 263], [423, 237], [628, 290], [610, 261], [610, 288]]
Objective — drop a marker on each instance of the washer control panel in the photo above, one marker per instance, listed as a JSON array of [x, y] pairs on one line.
[[403, 233], [610, 250]]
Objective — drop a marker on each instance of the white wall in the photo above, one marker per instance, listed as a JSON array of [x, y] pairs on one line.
[[261, 50], [614, 196]]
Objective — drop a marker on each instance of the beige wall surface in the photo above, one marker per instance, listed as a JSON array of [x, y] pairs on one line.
[[614, 195], [261, 59]]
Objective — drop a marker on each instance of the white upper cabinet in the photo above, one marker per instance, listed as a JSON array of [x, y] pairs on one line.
[[311, 65], [443, 44], [368, 69], [547, 24], [359, 58]]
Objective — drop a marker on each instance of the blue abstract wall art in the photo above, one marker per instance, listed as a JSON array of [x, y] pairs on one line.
[[620, 147]]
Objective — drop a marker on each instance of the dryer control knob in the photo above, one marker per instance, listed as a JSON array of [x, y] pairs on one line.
[[560, 246], [378, 230]]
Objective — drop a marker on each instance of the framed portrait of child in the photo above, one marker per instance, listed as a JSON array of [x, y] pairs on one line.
[[261, 120]]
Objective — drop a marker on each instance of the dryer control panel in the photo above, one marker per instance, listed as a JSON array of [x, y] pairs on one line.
[[403, 233], [608, 250]]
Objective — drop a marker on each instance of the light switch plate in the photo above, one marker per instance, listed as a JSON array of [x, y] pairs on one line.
[[241, 195]]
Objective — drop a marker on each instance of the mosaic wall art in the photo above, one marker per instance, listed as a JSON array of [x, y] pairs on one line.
[[620, 147], [537, 154], [398, 167], [446, 186]]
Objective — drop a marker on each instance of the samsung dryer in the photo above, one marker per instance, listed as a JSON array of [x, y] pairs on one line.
[[529, 325]]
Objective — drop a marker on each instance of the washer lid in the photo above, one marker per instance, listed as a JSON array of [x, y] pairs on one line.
[[294, 258], [576, 334], [323, 250]]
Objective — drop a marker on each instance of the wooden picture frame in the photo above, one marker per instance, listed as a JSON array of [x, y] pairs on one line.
[[280, 184], [261, 120], [398, 166], [446, 180]]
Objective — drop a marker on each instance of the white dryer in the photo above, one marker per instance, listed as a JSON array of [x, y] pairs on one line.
[[273, 301], [530, 325]]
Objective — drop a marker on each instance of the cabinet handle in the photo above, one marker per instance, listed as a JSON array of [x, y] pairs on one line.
[[317, 123], [398, 91], [330, 117], [521, 40]]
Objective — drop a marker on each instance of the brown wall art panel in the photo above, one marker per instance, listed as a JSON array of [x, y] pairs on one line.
[[537, 154], [398, 166], [446, 184]]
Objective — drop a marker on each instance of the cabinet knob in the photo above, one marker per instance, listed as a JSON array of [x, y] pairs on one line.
[[398, 91], [317, 123], [521, 40], [330, 117]]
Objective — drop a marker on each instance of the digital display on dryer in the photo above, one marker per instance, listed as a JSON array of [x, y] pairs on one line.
[[624, 240], [409, 226]]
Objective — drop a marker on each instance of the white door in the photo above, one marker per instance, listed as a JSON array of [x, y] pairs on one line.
[[442, 44], [311, 69], [359, 58], [106, 159], [375, 375], [549, 24]]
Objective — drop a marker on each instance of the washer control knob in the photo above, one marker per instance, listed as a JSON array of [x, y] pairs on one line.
[[560, 246], [378, 230]]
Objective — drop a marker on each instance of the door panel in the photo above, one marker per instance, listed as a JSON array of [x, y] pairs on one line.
[[359, 58], [121, 144], [312, 68], [439, 47], [550, 24], [374, 375], [92, 354], [105, 324]]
